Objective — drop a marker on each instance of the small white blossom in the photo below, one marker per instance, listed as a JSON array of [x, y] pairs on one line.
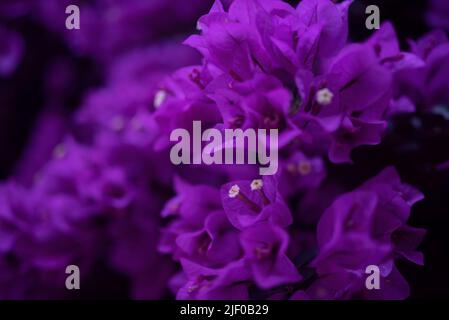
[[159, 98], [304, 167], [234, 191], [324, 97], [257, 184]]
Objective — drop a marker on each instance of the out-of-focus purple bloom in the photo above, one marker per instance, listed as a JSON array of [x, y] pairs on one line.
[[427, 86], [34, 249], [135, 235], [95, 195], [301, 173], [438, 14], [11, 51], [50, 127], [123, 109], [424, 46], [387, 49], [94, 200], [16, 8], [110, 28]]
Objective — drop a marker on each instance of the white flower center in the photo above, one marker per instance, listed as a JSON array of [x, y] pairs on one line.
[[234, 191], [159, 98], [324, 97], [304, 167], [257, 184]]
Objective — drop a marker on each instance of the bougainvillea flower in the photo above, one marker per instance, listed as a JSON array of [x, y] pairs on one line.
[[367, 227], [349, 103], [103, 194], [247, 203], [265, 247], [259, 103], [427, 86]]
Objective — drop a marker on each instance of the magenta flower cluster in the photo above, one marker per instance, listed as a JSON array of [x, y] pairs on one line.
[[109, 195]]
